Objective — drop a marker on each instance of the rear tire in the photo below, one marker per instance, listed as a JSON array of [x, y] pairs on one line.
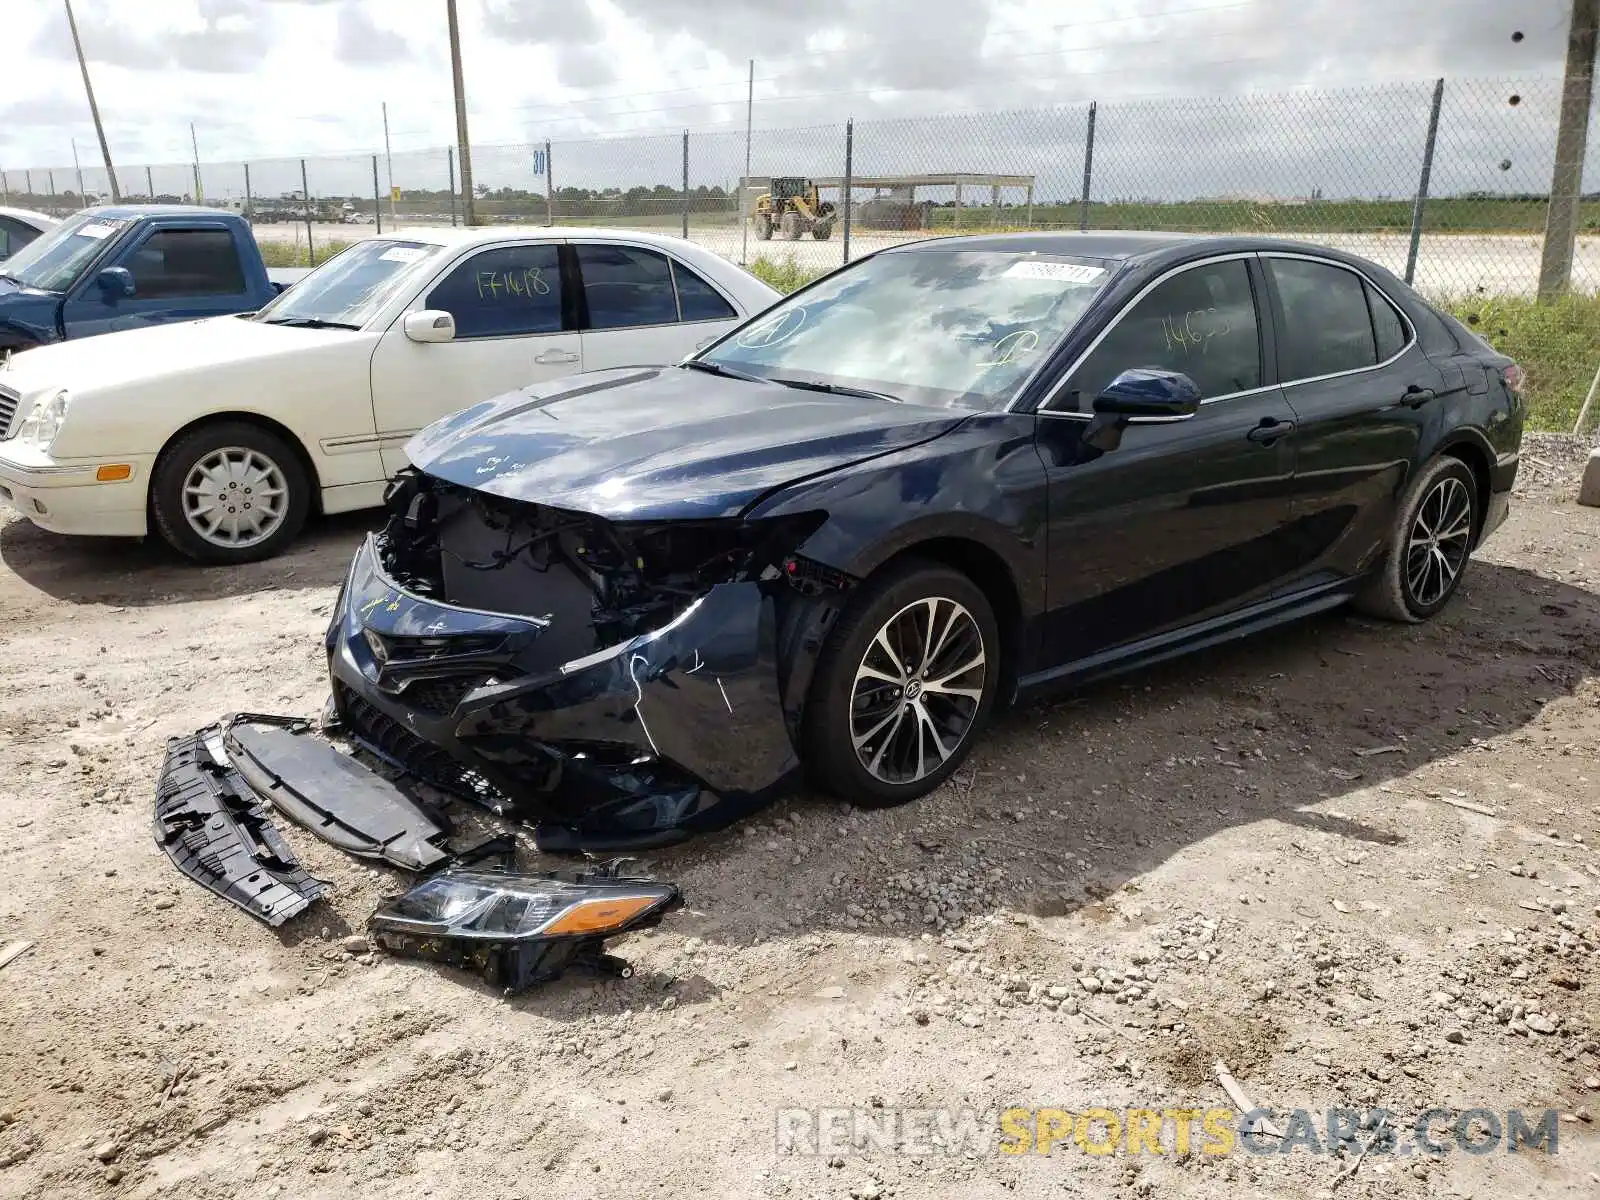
[[792, 226], [882, 729], [1430, 545], [764, 227], [261, 498]]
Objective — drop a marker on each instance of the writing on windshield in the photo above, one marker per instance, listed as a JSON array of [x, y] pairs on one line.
[[55, 259], [958, 328]]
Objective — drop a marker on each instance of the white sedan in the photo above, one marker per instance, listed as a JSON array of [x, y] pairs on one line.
[[225, 433], [18, 227]]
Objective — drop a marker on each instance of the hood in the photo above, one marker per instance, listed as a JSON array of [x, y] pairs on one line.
[[138, 355], [661, 443]]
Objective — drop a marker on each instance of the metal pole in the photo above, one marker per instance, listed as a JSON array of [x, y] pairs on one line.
[[5, 187], [305, 194], [744, 184], [1422, 183], [1594, 386], [1030, 206], [150, 182], [27, 181], [377, 197], [1563, 217], [467, 215], [83, 201], [249, 200], [388, 157], [199, 189], [1088, 169], [685, 185], [450, 162], [549, 187], [849, 179], [94, 109], [958, 203]]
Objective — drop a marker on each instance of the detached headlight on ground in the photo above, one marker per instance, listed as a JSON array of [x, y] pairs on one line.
[[521, 929], [43, 422]]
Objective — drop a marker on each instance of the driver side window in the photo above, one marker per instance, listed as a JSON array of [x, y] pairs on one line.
[[1201, 322]]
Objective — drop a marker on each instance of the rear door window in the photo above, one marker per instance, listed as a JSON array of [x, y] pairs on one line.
[[625, 286], [697, 299], [186, 262], [1327, 325], [504, 292]]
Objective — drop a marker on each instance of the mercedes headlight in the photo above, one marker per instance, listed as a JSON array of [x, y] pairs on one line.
[[44, 420]]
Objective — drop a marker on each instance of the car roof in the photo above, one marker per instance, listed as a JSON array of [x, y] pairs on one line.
[[28, 216], [1137, 247], [462, 235], [129, 212]]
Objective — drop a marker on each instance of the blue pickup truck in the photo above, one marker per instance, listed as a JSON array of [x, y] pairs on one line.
[[132, 265]]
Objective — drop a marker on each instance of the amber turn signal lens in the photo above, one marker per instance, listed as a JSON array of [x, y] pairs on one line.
[[600, 914], [113, 472]]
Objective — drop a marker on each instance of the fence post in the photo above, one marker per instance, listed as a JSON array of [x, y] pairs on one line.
[[1088, 169], [305, 194], [249, 200], [549, 187], [150, 184], [377, 200], [685, 185], [1422, 183], [1563, 218], [5, 187], [450, 161], [849, 179], [27, 181]]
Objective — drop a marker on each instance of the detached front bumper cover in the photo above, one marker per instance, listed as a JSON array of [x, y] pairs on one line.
[[516, 930]]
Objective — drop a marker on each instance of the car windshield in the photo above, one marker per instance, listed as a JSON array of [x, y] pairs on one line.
[[55, 259], [954, 328], [350, 288]]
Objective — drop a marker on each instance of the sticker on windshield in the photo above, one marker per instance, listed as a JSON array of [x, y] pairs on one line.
[[1056, 272], [98, 229], [403, 254]]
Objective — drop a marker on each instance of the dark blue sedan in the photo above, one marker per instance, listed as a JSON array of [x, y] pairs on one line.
[[636, 603]]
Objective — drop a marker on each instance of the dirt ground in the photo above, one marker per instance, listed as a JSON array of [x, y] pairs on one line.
[[1351, 860]]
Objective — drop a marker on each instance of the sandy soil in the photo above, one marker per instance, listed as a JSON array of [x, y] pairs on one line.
[[1345, 858]]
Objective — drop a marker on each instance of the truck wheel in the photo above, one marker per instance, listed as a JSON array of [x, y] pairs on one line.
[[764, 227], [792, 226], [229, 492], [822, 229]]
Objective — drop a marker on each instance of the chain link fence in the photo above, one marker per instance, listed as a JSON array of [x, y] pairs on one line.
[[1446, 184]]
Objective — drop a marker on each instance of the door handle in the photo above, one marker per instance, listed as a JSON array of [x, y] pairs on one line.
[[1416, 396], [552, 357], [1270, 430]]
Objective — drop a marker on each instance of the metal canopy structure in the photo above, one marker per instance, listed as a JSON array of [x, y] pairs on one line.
[[957, 180]]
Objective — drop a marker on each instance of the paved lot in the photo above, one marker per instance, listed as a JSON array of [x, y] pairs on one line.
[[1343, 858]]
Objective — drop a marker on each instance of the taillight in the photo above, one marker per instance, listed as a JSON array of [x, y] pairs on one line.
[[1514, 377]]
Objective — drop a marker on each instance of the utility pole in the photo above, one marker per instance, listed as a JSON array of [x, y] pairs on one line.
[[744, 184], [94, 109], [1566, 180], [199, 190], [388, 157], [468, 217]]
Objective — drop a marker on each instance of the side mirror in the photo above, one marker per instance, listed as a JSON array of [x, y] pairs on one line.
[[115, 282], [1140, 392], [429, 325]]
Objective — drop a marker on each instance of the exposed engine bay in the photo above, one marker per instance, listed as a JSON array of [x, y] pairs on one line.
[[616, 580]]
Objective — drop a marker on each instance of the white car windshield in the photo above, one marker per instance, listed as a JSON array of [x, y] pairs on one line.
[[349, 289], [55, 259], [954, 328]]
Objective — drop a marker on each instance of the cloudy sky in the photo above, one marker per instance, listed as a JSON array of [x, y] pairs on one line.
[[266, 78]]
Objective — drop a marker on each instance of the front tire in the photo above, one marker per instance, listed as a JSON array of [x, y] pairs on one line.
[[763, 227], [904, 684], [1430, 544], [792, 226], [229, 492]]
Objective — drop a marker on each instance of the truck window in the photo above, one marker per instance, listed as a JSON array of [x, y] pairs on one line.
[[14, 235], [186, 262]]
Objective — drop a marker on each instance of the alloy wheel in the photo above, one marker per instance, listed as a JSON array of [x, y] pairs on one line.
[[1440, 539], [235, 497], [917, 690]]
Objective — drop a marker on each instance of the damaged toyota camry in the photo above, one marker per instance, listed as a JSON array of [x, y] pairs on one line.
[[635, 604]]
